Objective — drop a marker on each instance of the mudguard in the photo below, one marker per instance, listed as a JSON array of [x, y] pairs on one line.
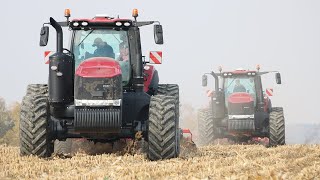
[[151, 79]]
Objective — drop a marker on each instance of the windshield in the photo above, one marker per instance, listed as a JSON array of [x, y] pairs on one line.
[[103, 43], [239, 84]]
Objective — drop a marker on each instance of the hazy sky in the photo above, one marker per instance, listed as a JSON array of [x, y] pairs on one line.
[[199, 36]]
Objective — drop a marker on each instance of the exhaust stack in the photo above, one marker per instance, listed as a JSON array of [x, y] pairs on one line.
[[61, 73], [58, 29]]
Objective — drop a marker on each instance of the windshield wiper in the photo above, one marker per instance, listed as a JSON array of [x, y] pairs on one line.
[[230, 83], [85, 37], [116, 38]]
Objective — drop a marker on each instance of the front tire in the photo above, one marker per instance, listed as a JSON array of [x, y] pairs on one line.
[[172, 90], [276, 127], [34, 127], [163, 133], [206, 127]]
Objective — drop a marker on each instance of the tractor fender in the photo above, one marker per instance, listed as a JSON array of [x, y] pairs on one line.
[[267, 104], [151, 79]]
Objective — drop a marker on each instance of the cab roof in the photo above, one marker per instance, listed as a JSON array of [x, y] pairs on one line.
[[240, 72], [101, 20]]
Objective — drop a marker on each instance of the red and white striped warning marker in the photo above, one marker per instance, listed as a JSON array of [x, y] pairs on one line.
[[269, 91], [155, 57], [209, 93], [47, 54]]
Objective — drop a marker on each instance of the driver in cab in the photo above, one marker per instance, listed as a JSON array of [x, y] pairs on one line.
[[238, 87], [124, 52], [124, 49], [103, 49]]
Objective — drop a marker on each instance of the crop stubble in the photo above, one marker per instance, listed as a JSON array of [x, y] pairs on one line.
[[210, 162]]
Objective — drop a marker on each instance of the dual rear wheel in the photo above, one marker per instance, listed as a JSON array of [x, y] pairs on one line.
[[206, 127], [163, 124], [276, 127], [34, 125]]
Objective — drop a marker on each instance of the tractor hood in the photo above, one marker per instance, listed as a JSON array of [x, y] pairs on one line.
[[241, 97], [240, 103], [99, 67]]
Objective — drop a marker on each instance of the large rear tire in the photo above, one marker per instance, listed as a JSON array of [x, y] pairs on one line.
[[276, 127], [163, 134], [172, 90], [206, 127], [34, 128]]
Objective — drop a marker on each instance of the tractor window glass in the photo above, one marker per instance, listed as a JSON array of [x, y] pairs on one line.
[[239, 84], [103, 43]]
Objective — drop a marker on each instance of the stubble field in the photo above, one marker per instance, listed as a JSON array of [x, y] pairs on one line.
[[210, 162]]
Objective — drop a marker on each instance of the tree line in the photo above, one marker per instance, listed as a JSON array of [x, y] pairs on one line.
[[9, 123]]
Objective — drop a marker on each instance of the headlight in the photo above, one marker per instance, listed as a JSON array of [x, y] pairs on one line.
[[249, 74], [118, 23], [53, 68], [117, 102], [75, 24], [84, 102], [126, 24], [146, 68], [84, 23]]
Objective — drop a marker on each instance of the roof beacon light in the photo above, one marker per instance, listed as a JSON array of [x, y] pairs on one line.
[[67, 13], [135, 13], [258, 67]]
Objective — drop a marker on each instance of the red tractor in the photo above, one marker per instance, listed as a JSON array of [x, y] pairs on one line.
[[239, 110], [101, 89]]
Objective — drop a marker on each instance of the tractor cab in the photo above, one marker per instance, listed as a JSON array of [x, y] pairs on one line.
[[241, 88], [105, 43], [105, 38]]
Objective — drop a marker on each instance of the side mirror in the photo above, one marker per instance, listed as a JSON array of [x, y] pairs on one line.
[[158, 34], [204, 80], [44, 36], [278, 78]]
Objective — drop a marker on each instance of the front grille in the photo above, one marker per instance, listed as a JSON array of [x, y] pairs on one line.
[[241, 108], [241, 125], [98, 88], [97, 119]]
